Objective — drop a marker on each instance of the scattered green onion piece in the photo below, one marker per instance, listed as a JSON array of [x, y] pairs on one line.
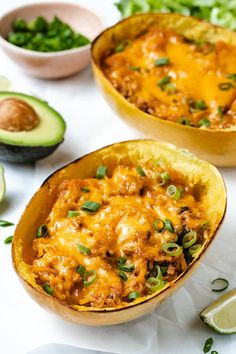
[[184, 121], [208, 345], [164, 177], [164, 270], [140, 171], [121, 260], [189, 239], [158, 225], [214, 352], [72, 213], [4, 223], [173, 192], [220, 111], [85, 250], [170, 88], [101, 172], [162, 61], [158, 271], [204, 123], [42, 231], [172, 249], [168, 225], [8, 240], [134, 295], [231, 77], [205, 225], [90, 206], [126, 267], [89, 277], [81, 270], [122, 275], [194, 248], [154, 284], [121, 46], [134, 68], [220, 284], [47, 289], [85, 189], [163, 82], [201, 105], [225, 86]]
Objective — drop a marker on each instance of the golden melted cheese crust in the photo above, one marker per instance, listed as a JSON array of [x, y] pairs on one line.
[[129, 203], [199, 87]]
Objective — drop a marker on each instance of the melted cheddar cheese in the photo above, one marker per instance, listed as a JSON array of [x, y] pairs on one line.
[[171, 77], [98, 258]]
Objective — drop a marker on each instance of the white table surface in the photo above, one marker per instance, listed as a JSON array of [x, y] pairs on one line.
[[175, 326]]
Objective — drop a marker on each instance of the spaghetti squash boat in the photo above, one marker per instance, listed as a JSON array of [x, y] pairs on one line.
[[109, 236], [174, 77]]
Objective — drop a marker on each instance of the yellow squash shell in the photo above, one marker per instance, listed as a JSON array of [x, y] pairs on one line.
[[210, 190], [216, 146]]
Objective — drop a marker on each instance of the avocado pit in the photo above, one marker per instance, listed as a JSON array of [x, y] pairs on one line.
[[16, 115]]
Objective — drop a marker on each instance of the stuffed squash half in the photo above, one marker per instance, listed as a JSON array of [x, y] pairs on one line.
[[170, 70], [119, 229]]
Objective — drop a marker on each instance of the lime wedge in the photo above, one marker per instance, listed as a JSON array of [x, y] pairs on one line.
[[2, 184], [221, 314]]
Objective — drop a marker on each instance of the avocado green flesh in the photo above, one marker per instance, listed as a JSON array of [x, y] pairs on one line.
[[50, 130]]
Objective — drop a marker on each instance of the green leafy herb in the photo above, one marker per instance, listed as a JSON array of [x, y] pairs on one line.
[[208, 345], [8, 240], [4, 223], [47, 289], [101, 172], [89, 277], [162, 61], [140, 171], [42, 231], [85, 250], [90, 206]]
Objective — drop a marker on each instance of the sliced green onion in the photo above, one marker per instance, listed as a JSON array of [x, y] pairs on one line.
[[134, 68], [199, 105], [140, 171], [121, 260], [214, 352], [173, 192], [225, 86], [172, 249], [155, 272], [101, 172], [208, 345], [163, 82], [126, 267], [42, 231], [164, 177], [90, 206], [134, 295], [4, 223], [164, 270], [232, 77], [47, 289], [194, 248], [204, 123], [219, 284], [121, 46], [8, 240], [220, 111], [85, 189], [158, 225], [162, 61], [170, 88], [184, 121], [72, 213], [168, 225], [189, 239], [122, 275], [89, 277], [85, 250], [81, 270], [154, 284]]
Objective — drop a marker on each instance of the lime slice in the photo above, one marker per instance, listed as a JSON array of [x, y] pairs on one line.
[[221, 314], [2, 184]]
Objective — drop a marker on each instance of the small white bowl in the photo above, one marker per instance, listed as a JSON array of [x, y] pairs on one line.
[[51, 65]]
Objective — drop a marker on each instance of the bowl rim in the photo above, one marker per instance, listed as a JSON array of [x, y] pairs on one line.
[[32, 53], [148, 115], [143, 299]]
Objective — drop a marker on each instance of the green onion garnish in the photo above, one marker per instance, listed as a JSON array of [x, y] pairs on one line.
[[219, 284], [173, 192], [85, 190], [232, 77], [154, 284], [164, 82], [121, 46], [101, 172], [8, 240], [89, 277], [172, 249], [214, 352], [121, 260], [140, 171], [122, 275], [81, 270], [85, 250], [164, 270], [204, 123], [189, 239], [4, 223], [158, 225], [220, 111], [162, 61], [208, 345], [90, 206], [168, 225], [47, 289], [194, 248], [199, 105], [225, 86], [134, 295], [126, 267], [183, 121], [72, 213], [164, 177], [42, 231], [134, 68]]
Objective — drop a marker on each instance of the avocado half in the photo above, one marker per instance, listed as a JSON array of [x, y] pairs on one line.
[[37, 143]]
